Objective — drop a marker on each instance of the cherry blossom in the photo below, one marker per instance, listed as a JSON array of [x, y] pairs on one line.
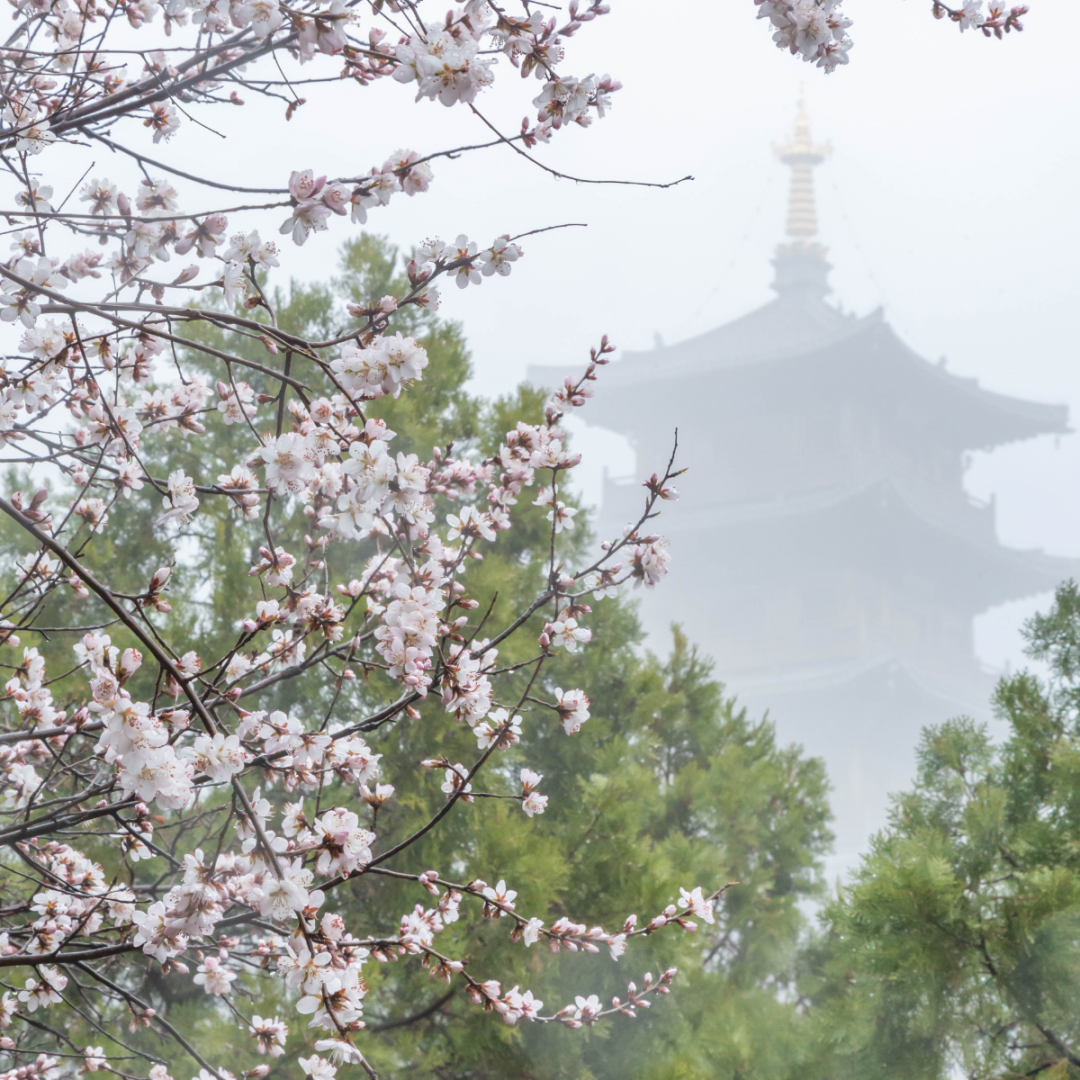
[[463, 252], [44, 990], [566, 633], [499, 730], [697, 903], [270, 1035], [181, 501], [218, 757], [456, 783], [469, 523], [214, 978], [532, 802], [344, 845], [287, 462], [318, 1068], [498, 258], [573, 709]]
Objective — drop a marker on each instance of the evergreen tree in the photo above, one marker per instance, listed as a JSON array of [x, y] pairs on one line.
[[672, 780], [957, 945]]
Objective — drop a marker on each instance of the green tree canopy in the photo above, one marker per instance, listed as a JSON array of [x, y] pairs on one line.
[[957, 944]]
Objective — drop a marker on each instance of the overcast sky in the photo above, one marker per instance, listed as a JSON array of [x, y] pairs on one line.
[[949, 199]]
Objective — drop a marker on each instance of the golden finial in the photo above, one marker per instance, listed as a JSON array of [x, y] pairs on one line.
[[802, 155]]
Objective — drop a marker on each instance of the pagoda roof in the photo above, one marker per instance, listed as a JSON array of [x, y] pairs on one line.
[[968, 694], [790, 325], [874, 527], [798, 336]]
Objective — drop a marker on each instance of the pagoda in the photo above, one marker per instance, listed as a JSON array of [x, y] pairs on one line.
[[825, 552]]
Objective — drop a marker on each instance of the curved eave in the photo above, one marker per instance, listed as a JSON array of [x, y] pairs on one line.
[[790, 325], [990, 419], [785, 328], [873, 529], [864, 358], [964, 696]]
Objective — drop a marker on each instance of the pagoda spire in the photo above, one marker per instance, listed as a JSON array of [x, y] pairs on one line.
[[800, 263], [801, 154]]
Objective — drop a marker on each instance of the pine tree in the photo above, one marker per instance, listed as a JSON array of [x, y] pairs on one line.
[[957, 946]]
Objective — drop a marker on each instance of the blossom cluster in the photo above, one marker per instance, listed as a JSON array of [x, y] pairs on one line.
[[998, 19], [425, 522], [816, 30], [156, 755]]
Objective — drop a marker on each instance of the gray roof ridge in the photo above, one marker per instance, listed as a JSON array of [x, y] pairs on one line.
[[640, 366], [837, 494], [970, 385], [821, 313], [813, 677]]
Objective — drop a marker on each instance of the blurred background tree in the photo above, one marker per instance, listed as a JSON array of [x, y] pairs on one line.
[[668, 784]]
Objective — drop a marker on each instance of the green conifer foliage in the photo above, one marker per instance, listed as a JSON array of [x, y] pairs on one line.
[[956, 949]]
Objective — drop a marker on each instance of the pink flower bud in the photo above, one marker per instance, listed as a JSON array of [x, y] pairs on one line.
[[186, 274]]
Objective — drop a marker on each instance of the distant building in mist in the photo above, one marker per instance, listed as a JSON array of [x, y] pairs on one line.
[[825, 552]]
